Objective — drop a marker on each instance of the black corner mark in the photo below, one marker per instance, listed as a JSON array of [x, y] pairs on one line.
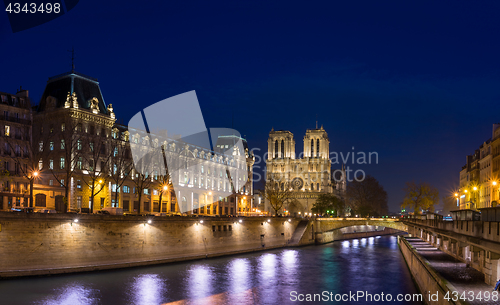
[[26, 14]]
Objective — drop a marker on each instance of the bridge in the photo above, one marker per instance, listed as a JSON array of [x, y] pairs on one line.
[[324, 230]]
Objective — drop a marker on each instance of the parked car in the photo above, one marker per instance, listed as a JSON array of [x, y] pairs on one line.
[[103, 212], [47, 211]]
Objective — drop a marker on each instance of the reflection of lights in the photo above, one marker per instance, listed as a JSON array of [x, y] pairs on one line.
[[72, 294], [75, 220], [269, 220], [239, 270], [199, 282], [147, 289], [345, 244], [240, 221], [150, 221], [201, 221]]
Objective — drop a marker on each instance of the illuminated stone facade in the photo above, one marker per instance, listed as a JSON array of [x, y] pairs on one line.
[[309, 174], [80, 146]]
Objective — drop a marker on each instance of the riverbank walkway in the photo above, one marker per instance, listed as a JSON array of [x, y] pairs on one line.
[[462, 278]]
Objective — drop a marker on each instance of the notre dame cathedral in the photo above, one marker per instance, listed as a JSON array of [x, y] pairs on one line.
[[309, 174]]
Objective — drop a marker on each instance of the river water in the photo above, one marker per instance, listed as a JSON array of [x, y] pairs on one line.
[[337, 270]]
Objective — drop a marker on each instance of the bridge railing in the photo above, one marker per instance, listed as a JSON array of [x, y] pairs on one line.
[[489, 230]]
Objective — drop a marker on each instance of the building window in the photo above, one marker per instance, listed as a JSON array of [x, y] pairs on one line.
[[79, 201], [51, 164], [79, 163], [63, 144], [115, 152], [7, 130], [51, 182], [79, 184], [317, 148], [40, 146], [62, 163], [276, 148], [312, 148], [63, 127], [126, 189], [146, 191], [282, 148], [51, 146], [114, 188], [62, 182], [79, 145], [40, 165]]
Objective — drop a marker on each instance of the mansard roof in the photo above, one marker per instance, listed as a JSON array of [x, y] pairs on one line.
[[84, 87]]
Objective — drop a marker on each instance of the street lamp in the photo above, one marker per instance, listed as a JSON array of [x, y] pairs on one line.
[[165, 187]]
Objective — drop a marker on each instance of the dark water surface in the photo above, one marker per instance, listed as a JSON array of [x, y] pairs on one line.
[[374, 265]]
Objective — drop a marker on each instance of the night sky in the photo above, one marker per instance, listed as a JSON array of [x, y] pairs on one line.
[[417, 82]]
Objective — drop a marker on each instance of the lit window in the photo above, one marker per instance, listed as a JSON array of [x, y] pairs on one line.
[[63, 144], [62, 163], [62, 182], [51, 182], [78, 184], [126, 189], [51, 145], [7, 130], [51, 164], [40, 165], [79, 145], [63, 127]]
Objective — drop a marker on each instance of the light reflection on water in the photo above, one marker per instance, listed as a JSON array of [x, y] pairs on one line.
[[374, 265], [71, 294], [147, 289]]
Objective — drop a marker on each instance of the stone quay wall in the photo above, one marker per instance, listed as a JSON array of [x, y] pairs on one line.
[[41, 244], [425, 276]]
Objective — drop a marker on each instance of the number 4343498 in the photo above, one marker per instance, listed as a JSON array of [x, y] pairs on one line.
[[47, 8]]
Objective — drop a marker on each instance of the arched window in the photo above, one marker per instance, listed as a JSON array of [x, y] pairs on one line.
[[317, 148], [312, 148], [276, 148], [312, 186], [282, 148], [317, 186]]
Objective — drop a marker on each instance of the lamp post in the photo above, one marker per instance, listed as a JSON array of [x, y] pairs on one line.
[[494, 184], [164, 188], [31, 179]]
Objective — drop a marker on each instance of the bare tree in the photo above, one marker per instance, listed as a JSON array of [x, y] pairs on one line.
[[121, 164], [28, 157], [96, 157], [420, 196], [277, 192], [65, 143]]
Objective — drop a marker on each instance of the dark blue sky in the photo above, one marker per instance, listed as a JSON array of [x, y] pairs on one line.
[[416, 82]]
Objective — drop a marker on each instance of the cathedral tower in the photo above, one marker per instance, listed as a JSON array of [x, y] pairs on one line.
[[281, 145], [316, 144]]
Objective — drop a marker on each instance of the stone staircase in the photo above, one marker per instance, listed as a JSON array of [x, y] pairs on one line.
[[298, 233]]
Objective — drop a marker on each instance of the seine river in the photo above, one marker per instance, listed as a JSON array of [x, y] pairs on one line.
[[339, 270]]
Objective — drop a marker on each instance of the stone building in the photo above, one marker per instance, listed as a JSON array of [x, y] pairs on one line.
[[309, 173], [15, 126], [479, 177], [83, 160]]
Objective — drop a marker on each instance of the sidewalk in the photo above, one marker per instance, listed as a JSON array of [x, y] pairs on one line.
[[464, 279]]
